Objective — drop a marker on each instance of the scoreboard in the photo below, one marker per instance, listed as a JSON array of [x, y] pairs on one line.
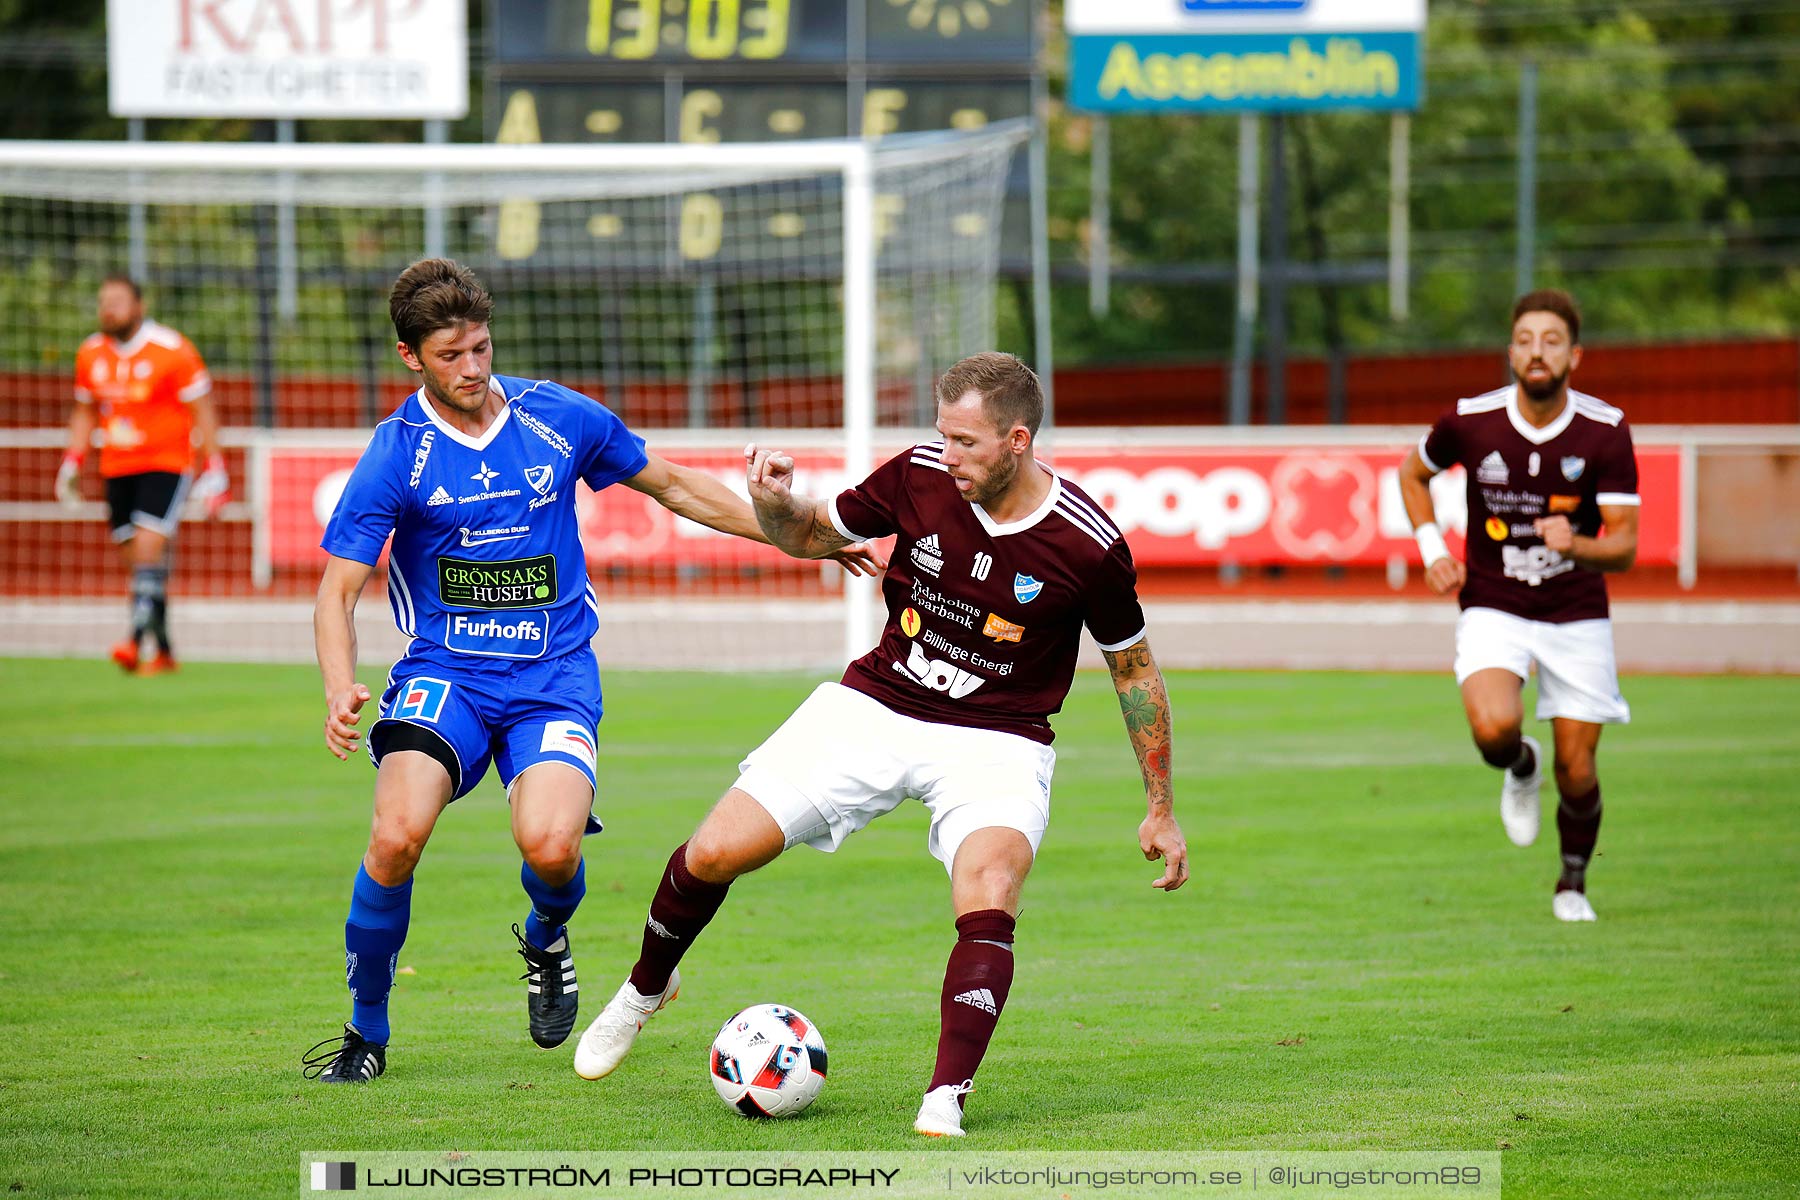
[[707, 71], [828, 33]]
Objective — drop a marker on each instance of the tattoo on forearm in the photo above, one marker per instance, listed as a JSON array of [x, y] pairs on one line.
[[825, 535], [1145, 706], [786, 527], [1140, 713], [1129, 660]]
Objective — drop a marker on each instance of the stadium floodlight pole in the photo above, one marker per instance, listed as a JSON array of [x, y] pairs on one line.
[[1243, 332], [1525, 239], [1399, 216]]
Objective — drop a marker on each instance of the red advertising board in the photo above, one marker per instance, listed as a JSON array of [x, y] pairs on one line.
[[1182, 504]]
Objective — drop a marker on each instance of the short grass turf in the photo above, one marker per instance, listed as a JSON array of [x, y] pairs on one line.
[[1361, 961]]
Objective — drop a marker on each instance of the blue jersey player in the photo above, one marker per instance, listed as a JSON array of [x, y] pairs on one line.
[[474, 477]]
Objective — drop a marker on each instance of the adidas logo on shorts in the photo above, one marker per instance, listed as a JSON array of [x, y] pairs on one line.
[[978, 998]]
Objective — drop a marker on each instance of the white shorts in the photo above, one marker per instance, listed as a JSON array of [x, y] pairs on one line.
[[1578, 677], [844, 759]]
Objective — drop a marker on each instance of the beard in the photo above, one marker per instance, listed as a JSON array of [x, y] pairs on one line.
[[997, 482], [1543, 389]]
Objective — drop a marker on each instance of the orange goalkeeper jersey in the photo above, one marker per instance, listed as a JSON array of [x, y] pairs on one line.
[[144, 388]]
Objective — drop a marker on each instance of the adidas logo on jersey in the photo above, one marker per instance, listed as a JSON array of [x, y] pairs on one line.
[[1493, 470], [978, 998], [440, 497], [926, 555]]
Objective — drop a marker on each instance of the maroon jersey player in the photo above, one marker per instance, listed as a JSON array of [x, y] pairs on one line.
[[998, 565], [1553, 503]]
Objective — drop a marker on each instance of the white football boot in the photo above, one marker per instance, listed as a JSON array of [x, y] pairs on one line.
[[1519, 798], [1572, 906], [604, 1046], [941, 1114]]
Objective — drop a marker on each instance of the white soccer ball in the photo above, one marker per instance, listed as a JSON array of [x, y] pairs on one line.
[[768, 1061]]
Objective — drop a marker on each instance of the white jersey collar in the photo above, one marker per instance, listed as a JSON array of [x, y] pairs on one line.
[[1532, 433], [996, 529], [458, 436], [138, 341]]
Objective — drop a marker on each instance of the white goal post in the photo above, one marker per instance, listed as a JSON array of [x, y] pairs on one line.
[[811, 288]]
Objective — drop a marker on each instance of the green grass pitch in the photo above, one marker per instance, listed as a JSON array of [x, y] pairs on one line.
[[1361, 960]]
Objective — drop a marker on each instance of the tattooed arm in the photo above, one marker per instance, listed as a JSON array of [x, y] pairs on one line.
[[1145, 702], [798, 525]]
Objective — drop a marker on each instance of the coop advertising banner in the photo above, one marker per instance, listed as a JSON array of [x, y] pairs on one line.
[[1179, 505], [287, 58]]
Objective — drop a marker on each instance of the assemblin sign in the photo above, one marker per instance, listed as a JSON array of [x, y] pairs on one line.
[[288, 58], [1258, 55]]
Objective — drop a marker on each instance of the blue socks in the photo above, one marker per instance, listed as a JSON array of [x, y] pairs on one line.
[[372, 939], [551, 907]]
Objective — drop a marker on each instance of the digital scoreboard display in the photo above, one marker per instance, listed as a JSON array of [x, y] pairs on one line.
[[761, 31], [712, 71]]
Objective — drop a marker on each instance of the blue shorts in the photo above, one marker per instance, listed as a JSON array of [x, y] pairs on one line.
[[515, 715]]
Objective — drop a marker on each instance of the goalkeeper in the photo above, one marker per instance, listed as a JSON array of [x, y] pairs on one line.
[[144, 388], [474, 477]]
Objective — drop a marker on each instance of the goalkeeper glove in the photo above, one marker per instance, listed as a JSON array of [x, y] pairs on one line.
[[213, 488], [68, 480]]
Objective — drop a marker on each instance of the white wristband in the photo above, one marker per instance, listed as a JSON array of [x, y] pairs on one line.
[[1431, 543]]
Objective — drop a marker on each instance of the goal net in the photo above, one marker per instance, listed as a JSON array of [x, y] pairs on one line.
[[807, 293]]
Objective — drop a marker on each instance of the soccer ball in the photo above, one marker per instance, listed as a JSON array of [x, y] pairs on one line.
[[768, 1061]]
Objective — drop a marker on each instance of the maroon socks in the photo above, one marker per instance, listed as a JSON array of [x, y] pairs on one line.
[[1578, 822], [976, 981], [682, 907]]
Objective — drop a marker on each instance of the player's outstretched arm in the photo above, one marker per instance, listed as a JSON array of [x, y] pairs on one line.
[[698, 496], [334, 641], [692, 493], [799, 526], [1443, 574], [1144, 700]]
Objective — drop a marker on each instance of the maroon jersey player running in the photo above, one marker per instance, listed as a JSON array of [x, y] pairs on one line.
[[998, 565], [1553, 502]]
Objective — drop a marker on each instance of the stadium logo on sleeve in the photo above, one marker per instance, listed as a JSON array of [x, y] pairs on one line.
[[1025, 588], [421, 456], [421, 699], [570, 738], [1573, 466], [540, 478], [909, 622], [1001, 629]]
